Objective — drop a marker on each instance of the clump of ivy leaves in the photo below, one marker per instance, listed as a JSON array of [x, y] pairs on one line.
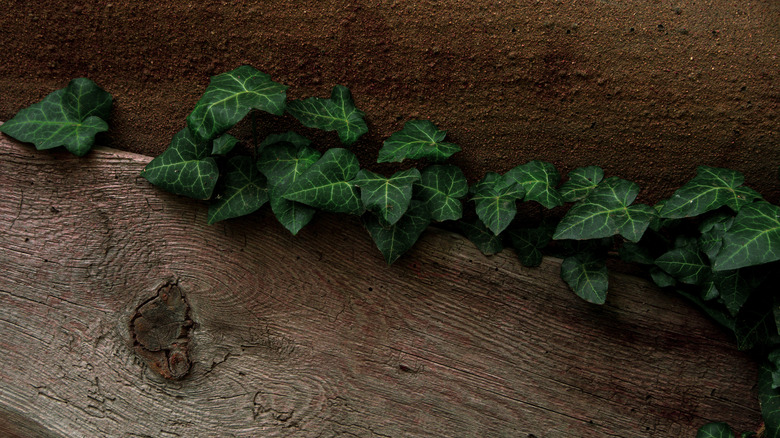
[[715, 241]]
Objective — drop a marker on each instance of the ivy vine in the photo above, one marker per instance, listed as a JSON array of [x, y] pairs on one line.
[[715, 241]]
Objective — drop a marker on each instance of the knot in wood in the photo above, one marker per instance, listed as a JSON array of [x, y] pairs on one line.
[[161, 332]]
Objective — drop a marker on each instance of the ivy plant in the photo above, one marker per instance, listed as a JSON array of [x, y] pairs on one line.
[[69, 117], [715, 241]]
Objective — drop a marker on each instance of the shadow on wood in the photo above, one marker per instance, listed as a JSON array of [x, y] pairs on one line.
[[314, 335]]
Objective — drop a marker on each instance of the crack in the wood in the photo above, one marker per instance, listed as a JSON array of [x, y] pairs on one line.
[[19, 213]]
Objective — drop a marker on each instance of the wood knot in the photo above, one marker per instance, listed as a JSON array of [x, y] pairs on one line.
[[161, 332]]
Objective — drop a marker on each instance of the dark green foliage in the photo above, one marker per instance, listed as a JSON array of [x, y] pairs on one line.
[[715, 430], [538, 180], [484, 239], [335, 114], [398, 238], [69, 117], [712, 188], [586, 274], [441, 188], [327, 184], [418, 139], [495, 202], [185, 168], [388, 198], [229, 98], [607, 211], [244, 192]]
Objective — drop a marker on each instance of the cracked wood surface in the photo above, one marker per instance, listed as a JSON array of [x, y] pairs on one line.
[[314, 335]]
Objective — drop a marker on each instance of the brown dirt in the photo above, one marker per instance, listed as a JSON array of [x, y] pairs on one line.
[[647, 91]]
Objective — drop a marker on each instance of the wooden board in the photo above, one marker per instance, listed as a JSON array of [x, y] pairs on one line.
[[314, 335]]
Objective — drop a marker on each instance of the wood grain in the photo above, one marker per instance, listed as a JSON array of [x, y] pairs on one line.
[[314, 335]]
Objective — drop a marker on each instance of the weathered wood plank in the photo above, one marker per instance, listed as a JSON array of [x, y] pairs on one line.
[[314, 335]]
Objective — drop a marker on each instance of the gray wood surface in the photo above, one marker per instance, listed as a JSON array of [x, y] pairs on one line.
[[314, 336]]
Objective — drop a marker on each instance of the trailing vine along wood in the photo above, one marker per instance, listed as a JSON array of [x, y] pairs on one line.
[[714, 241]]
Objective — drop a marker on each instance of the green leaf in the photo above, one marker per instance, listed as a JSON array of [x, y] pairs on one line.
[[229, 98], [418, 139], [715, 430], [607, 211], [288, 137], [538, 179], [635, 253], [484, 239], [710, 189], [441, 188], [282, 163], [69, 117], [529, 243], [581, 182], [661, 278], [245, 191], [495, 206], [770, 402], [388, 198], [223, 144], [752, 239], [586, 274], [713, 229], [734, 289], [185, 168], [327, 184], [685, 265], [755, 323], [84, 99], [335, 114], [396, 239]]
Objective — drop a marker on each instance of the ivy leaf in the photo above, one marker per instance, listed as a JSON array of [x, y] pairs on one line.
[[282, 163], [229, 98], [396, 239], [685, 265], [388, 198], [327, 184], [484, 239], [335, 114], [752, 239], [607, 211], [635, 253], [223, 144], [288, 137], [661, 278], [185, 168], [715, 430], [496, 206], [538, 179], [581, 182], [587, 275], [69, 117], [713, 229], [245, 191], [734, 289], [770, 402], [441, 187], [418, 139], [710, 189], [529, 242]]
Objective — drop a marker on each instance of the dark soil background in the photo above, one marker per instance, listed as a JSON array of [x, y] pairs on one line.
[[648, 89]]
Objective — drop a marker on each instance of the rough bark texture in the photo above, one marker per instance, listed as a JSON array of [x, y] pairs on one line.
[[314, 335], [647, 89]]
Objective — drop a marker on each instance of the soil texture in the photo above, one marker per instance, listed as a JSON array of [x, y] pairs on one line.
[[647, 90]]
